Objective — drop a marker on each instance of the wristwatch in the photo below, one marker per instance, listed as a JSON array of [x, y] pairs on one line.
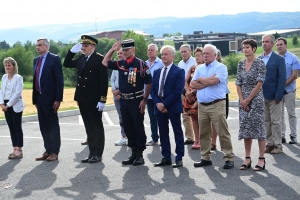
[[146, 99]]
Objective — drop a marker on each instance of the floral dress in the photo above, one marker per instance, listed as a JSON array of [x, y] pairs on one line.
[[252, 124]]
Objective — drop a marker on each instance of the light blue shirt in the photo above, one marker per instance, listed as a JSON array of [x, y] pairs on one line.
[[292, 63], [114, 80], [155, 65], [266, 58], [42, 66], [213, 92]]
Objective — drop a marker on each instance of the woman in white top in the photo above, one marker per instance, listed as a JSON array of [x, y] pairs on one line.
[[12, 105]]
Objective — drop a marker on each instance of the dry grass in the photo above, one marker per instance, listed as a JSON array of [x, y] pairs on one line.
[[69, 103]]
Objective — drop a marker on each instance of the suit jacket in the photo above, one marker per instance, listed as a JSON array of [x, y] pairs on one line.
[[51, 80], [15, 99], [92, 80], [274, 84], [173, 88]]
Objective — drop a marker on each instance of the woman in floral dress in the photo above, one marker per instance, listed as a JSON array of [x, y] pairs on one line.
[[250, 77]]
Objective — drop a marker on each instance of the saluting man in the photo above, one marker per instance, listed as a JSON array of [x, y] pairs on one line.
[[91, 92], [133, 74]]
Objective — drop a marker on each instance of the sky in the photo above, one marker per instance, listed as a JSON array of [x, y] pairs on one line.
[[21, 13]]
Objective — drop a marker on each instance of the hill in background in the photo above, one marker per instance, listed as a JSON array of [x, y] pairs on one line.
[[242, 23]]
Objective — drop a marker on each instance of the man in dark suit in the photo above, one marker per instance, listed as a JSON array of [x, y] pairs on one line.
[[91, 92], [273, 90], [47, 93], [166, 90]]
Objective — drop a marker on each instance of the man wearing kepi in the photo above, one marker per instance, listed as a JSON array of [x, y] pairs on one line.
[[90, 94], [210, 81], [133, 74]]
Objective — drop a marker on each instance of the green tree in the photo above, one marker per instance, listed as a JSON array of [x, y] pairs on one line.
[[4, 45], [140, 43], [295, 39], [231, 61], [276, 35], [24, 59], [178, 34]]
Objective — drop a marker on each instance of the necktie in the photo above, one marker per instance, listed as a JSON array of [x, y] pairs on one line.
[[162, 84], [37, 74], [83, 62]]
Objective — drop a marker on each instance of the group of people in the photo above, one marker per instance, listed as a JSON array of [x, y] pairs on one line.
[[195, 90]]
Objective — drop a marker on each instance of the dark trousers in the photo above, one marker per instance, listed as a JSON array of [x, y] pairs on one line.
[[153, 120], [163, 125], [133, 123], [14, 122], [92, 119], [49, 126]]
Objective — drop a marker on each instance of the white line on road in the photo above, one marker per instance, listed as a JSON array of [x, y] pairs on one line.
[[108, 119], [42, 138]]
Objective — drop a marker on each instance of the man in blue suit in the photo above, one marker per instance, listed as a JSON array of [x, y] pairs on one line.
[[167, 87], [273, 90], [47, 93]]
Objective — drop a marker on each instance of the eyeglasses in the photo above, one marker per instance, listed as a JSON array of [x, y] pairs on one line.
[[39, 45]]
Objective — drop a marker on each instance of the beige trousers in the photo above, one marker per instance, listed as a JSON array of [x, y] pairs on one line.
[[188, 126], [273, 116], [214, 114]]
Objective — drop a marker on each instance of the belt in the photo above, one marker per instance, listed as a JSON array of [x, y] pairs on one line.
[[213, 102], [133, 95]]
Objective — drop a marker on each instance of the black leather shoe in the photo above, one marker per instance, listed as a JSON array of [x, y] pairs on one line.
[[163, 162], [203, 163], [85, 143], [177, 163], [228, 164], [283, 140], [86, 160], [139, 160], [189, 142], [95, 159], [293, 140]]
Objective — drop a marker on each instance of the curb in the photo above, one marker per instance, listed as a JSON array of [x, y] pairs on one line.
[[68, 113]]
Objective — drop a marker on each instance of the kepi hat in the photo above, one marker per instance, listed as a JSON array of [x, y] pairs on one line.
[[86, 39], [126, 44]]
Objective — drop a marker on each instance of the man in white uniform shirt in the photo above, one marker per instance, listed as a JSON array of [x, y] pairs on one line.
[[186, 63]]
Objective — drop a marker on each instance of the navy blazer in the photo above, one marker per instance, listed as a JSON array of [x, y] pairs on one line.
[[274, 84], [51, 81], [173, 89]]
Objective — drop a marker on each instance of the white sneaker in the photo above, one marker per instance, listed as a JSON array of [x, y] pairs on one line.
[[121, 142], [151, 143]]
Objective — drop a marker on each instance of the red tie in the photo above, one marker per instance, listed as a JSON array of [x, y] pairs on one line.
[[37, 73]]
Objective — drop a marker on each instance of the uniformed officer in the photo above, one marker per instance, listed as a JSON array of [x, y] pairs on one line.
[[133, 74], [91, 92]]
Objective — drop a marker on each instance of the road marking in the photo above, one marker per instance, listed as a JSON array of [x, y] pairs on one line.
[[108, 119], [237, 110], [42, 138]]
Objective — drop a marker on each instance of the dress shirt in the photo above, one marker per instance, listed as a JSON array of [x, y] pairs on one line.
[[155, 65], [266, 58], [161, 75], [292, 63], [42, 66], [187, 65], [114, 80], [7, 89], [213, 92]]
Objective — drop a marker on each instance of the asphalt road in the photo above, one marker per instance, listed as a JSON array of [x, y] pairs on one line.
[[68, 178]]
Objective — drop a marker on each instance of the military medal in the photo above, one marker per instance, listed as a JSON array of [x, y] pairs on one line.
[[129, 75], [134, 77]]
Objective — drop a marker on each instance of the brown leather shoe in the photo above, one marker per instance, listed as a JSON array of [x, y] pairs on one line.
[[269, 149], [52, 157], [84, 143], [43, 157]]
